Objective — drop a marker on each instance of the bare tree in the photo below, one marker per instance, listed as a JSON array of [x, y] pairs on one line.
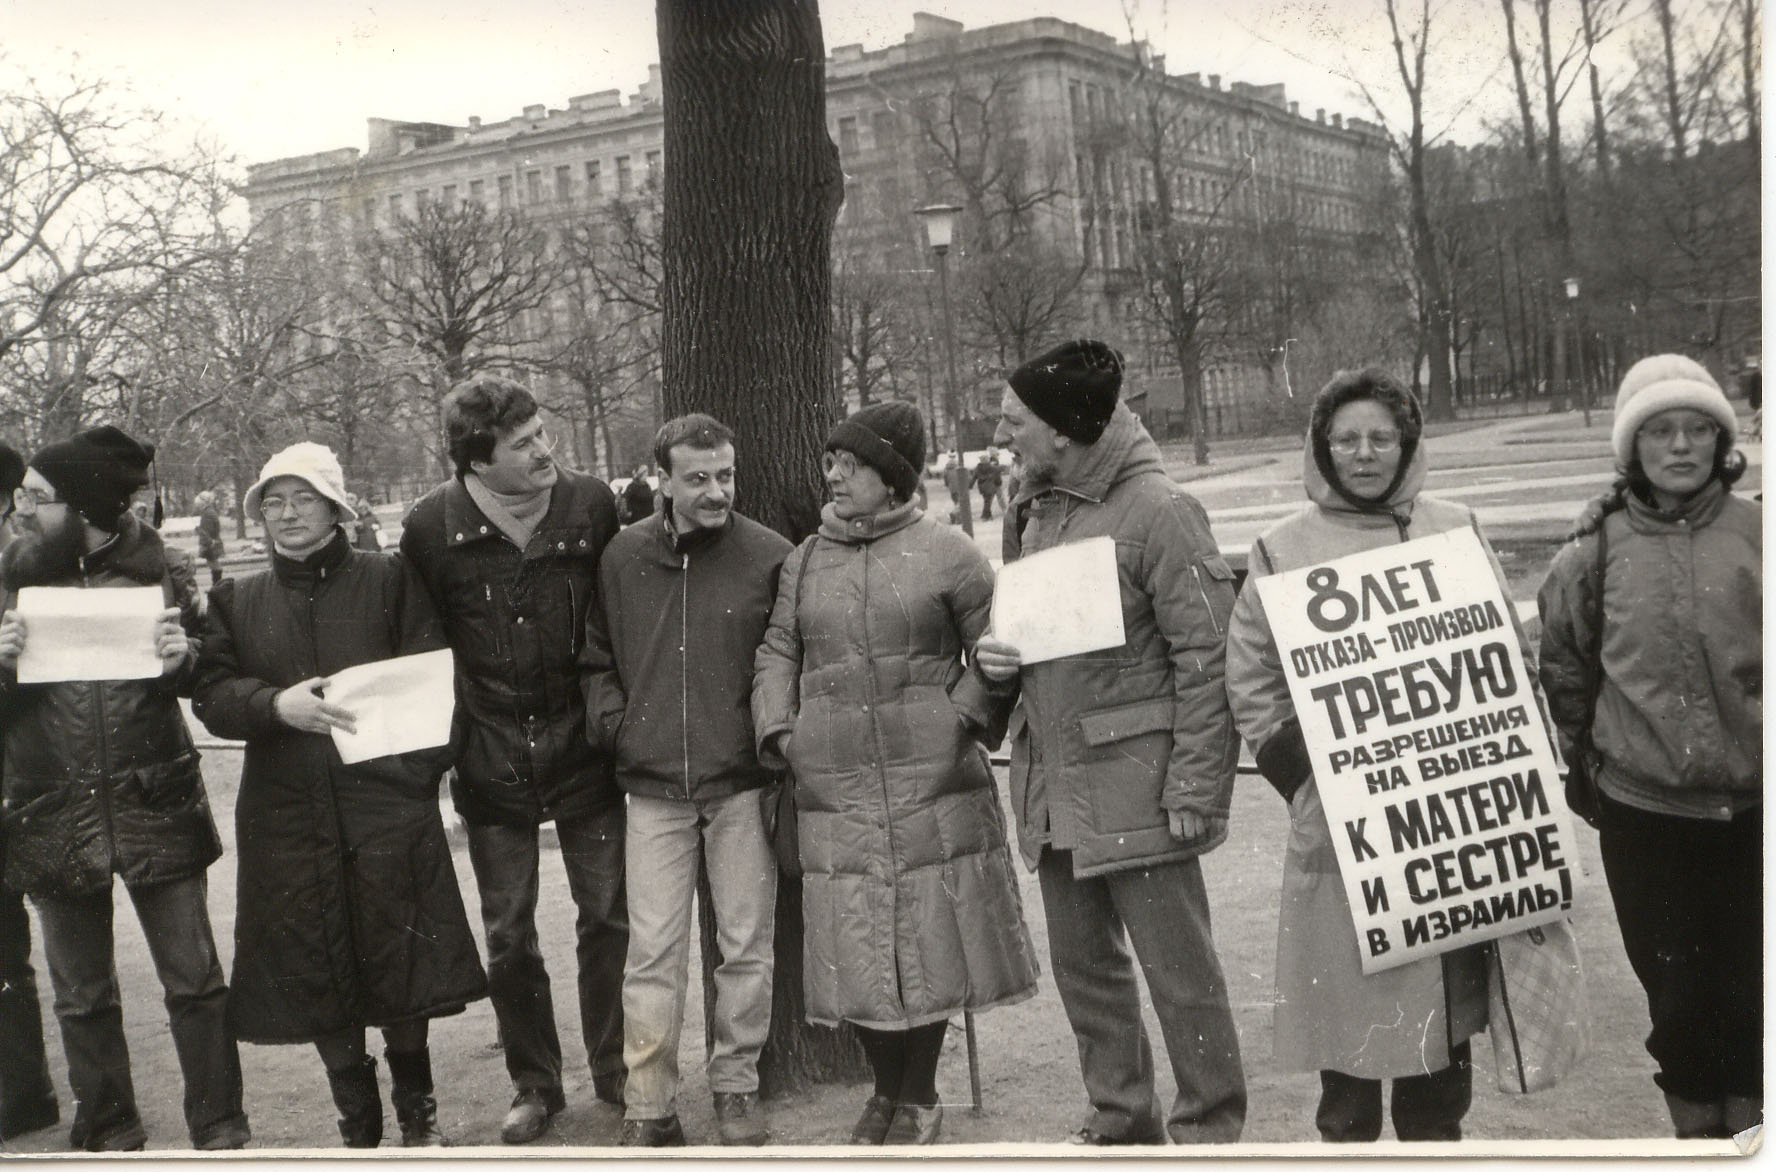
[[752, 187]]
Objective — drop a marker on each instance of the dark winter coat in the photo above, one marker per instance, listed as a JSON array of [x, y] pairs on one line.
[[101, 777], [1104, 744], [910, 907], [516, 620], [209, 535], [669, 652], [348, 912], [638, 500]]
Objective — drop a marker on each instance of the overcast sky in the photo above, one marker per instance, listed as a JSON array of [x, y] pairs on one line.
[[267, 80]]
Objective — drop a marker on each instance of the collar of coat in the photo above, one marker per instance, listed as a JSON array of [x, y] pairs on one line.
[[134, 552], [1698, 510], [316, 567], [465, 522], [858, 530], [1396, 509], [1124, 450], [673, 544]]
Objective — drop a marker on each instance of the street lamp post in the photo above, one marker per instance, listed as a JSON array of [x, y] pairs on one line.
[[940, 227], [1578, 339]]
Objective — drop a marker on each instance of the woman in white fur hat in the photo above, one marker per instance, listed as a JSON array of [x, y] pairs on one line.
[[1652, 660], [348, 911]]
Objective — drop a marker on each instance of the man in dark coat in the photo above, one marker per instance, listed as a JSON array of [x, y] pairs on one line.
[[638, 497], [682, 606], [1122, 763], [101, 779], [27, 1098], [508, 550], [989, 478]]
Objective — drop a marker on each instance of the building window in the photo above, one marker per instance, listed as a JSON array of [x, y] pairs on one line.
[[1075, 102], [478, 191], [653, 168], [625, 179], [394, 205], [505, 192], [886, 127], [369, 213], [594, 185], [847, 136], [563, 183], [533, 187], [448, 195], [421, 197]]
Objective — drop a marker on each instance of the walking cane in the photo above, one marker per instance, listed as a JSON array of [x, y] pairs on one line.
[[974, 1089]]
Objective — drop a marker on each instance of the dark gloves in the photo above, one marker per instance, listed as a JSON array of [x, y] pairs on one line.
[[1283, 760]]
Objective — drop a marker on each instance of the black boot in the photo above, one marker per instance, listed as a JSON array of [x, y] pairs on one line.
[[415, 1107], [360, 1103]]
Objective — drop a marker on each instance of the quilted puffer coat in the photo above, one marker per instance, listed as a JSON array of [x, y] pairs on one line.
[[101, 777], [910, 908], [347, 908]]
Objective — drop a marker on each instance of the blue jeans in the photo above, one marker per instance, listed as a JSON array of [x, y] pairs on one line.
[[505, 860], [78, 949], [1165, 913], [666, 837]]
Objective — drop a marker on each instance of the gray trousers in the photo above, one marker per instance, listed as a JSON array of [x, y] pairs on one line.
[[1164, 913]]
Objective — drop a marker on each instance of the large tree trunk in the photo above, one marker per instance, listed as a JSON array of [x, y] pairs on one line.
[[752, 187]]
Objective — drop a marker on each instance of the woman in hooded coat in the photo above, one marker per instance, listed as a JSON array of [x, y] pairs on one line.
[[1362, 469], [348, 911]]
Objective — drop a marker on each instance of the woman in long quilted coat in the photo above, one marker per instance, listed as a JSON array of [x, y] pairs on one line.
[[910, 908], [348, 911]]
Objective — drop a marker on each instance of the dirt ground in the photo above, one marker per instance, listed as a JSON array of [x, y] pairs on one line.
[[1030, 1083]]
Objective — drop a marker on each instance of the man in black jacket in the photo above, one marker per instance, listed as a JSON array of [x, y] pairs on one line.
[[101, 779], [509, 550], [27, 1098], [684, 598]]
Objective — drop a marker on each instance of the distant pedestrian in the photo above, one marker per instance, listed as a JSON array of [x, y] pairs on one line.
[[989, 480], [956, 479], [1653, 668], [508, 548], [366, 532], [348, 913], [1751, 385], [1362, 466], [681, 606], [638, 496], [210, 547], [102, 780], [863, 688], [27, 1097], [1122, 767]]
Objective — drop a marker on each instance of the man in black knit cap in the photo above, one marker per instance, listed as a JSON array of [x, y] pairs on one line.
[[1122, 767], [101, 780]]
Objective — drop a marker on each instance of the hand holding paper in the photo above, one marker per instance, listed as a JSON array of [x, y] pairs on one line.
[[109, 634], [397, 705], [12, 640], [998, 660], [170, 641], [303, 708], [1063, 601]]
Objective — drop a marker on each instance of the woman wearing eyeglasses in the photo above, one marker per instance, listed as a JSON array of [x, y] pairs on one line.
[[910, 908], [1652, 660], [1362, 469], [348, 911]]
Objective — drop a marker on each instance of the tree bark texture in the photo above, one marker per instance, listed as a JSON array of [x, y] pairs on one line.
[[752, 187]]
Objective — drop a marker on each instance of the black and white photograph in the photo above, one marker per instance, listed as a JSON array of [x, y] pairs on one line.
[[917, 578]]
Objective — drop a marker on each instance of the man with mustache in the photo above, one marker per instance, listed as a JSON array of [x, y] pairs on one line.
[[101, 779], [508, 549], [684, 598]]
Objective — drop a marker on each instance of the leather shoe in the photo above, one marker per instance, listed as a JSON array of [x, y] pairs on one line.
[[872, 1126], [652, 1133], [737, 1117], [528, 1119], [914, 1124], [1092, 1137]]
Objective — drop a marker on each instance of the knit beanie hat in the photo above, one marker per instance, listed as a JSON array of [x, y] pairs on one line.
[[1072, 388], [1660, 383], [889, 437], [95, 472], [313, 463]]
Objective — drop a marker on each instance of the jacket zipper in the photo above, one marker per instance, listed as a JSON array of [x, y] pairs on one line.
[[875, 716], [102, 784], [1203, 591], [684, 671]]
